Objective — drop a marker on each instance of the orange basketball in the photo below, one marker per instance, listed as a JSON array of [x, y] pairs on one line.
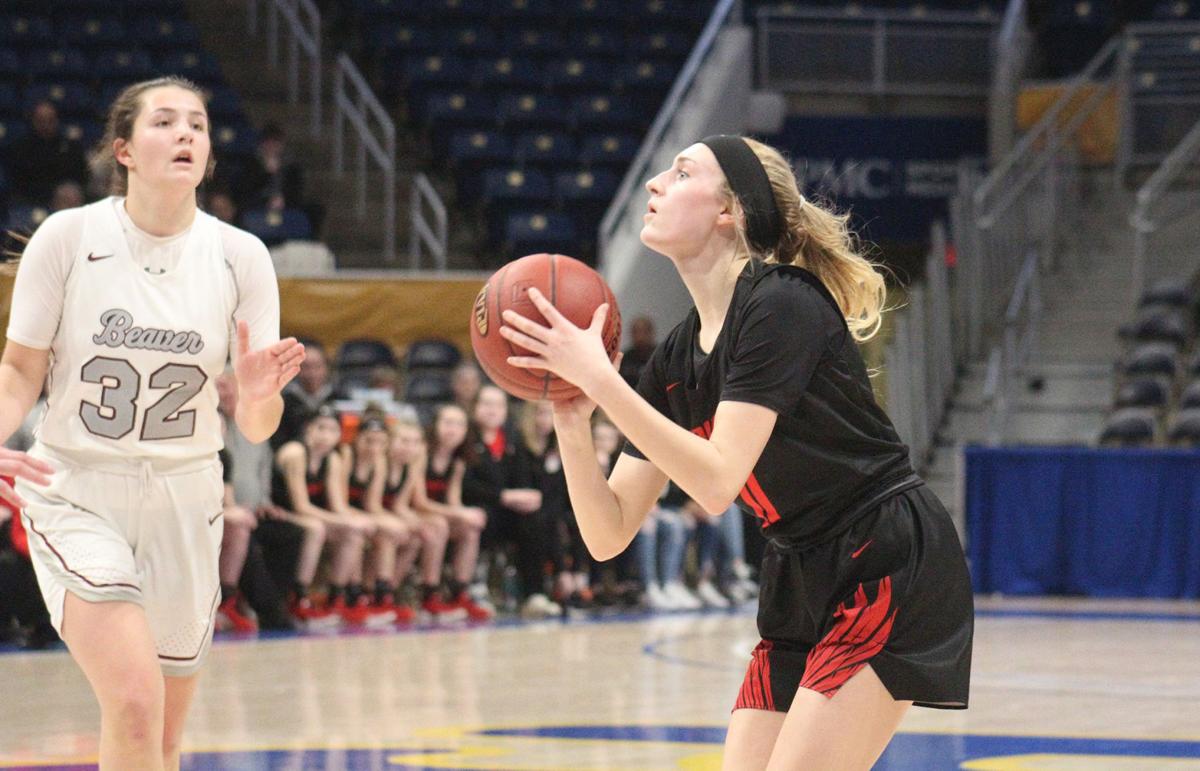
[[574, 289]]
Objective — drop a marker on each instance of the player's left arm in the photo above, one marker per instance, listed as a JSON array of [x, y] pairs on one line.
[[263, 363]]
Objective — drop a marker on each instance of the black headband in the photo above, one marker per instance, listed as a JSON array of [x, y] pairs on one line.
[[749, 182]]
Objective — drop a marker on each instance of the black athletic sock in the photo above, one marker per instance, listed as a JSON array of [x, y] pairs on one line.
[[457, 588], [383, 592], [428, 591], [336, 593], [228, 591]]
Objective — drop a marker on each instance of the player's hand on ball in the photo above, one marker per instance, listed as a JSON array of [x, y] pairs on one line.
[[572, 353], [262, 374], [18, 464]]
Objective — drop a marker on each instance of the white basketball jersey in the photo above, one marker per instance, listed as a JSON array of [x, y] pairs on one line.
[[136, 355]]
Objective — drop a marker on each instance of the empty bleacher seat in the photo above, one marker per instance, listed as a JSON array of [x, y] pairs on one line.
[[545, 149], [125, 66], [1169, 292], [1159, 323], [71, 98], [431, 353], [1144, 391], [274, 226], [586, 194], [10, 100], [447, 111], [1190, 398], [528, 111], [514, 188], [507, 74], [57, 63], [577, 76], [1152, 359], [233, 140], [93, 31], [164, 33], [23, 31], [1184, 430], [605, 113], [1131, 427], [612, 149], [25, 218], [10, 65], [199, 66], [544, 231], [1176, 10], [364, 352]]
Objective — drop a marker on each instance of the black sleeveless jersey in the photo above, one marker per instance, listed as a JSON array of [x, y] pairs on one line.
[[833, 454], [390, 491], [356, 488], [437, 485], [316, 482]]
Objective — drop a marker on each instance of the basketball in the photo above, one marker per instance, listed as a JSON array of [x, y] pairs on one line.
[[574, 289]]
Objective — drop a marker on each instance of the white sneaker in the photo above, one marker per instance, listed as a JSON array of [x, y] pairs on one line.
[[540, 606], [658, 599], [710, 596], [683, 598]]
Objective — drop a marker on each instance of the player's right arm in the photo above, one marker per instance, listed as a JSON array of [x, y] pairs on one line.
[[609, 511], [22, 372]]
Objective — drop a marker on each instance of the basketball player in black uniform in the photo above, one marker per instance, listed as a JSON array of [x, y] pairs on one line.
[[760, 395]]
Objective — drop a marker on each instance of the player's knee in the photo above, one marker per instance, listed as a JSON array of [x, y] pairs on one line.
[[135, 709]]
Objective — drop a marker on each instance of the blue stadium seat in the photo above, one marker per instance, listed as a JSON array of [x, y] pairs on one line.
[[528, 13], [24, 218], [57, 63], [86, 132], [26, 31], [93, 31], [199, 66], [605, 113], [543, 231], [586, 194], [224, 104], [660, 45], [10, 100], [597, 43], [234, 140], [11, 129], [364, 353], [161, 8], [1176, 10], [534, 43], [471, 151], [545, 149], [612, 150], [1193, 367], [456, 12], [374, 11], [587, 14], [1184, 430], [165, 33], [1152, 359], [451, 110], [125, 66], [532, 111], [70, 97], [403, 38], [1157, 323], [647, 74], [578, 76], [275, 227], [507, 74], [10, 65], [511, 188], [426, 74], [1177, 293], [474, 40], [1132, 427], [1144, 391], [1190, 398], [431, 353]]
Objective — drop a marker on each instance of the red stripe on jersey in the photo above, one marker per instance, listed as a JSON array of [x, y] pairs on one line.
[[753, 504], [859, 632], [770, 515], [756, 687]]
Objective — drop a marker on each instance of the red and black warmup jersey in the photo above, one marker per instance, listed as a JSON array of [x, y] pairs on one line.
[[437, 484], [356, 488], [315, 480], [833, 454], [390, 489]]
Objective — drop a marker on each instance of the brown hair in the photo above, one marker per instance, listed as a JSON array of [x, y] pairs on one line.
[[819, 239], [119, 125]]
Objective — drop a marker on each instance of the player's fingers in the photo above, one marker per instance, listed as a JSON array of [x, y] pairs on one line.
[[522, 339], [527, 362], [32, 462], [284, 345], [10, 495], [598, 317], [291, 357], [523, 323], [545, 306], [243, 336], [20, 467], [286, 376]]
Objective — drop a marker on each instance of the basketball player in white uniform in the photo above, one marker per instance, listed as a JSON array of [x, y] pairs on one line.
[[132, 306]]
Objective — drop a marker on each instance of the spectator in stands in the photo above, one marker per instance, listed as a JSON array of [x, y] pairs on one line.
[[722, 575], [67, 195], [661, 545], [465, 382], [220, 205], [449, 451], [574, 564], [642, 342], [311, 389], [273, 180], [44, 157], [404, 485], [365, 462], [626, 586]]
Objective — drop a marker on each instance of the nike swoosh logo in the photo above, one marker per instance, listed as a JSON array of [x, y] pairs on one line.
[[92, 257], [861, 549], [672, 385]]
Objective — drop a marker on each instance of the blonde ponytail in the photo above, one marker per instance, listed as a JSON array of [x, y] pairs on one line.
[[821, 241]]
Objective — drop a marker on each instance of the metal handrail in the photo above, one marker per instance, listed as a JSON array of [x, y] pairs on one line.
[[1017, 349], [433, 238], [304, 36], [1012, 53], [632, 181], [1150, 193], [355, 102]]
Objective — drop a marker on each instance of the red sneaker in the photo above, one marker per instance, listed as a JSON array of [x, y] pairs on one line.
[[440, 610], [231, 618], [309, 617], [362, 613], [404, 614], [475, 611]]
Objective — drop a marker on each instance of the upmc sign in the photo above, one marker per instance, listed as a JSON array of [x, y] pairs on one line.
[[893, 174]]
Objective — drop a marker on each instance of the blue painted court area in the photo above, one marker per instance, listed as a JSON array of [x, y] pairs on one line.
[[928, 752]]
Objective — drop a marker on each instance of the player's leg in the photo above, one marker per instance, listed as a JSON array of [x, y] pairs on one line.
[[179, 693], [750, 739], [848, 731], [113, 644]]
